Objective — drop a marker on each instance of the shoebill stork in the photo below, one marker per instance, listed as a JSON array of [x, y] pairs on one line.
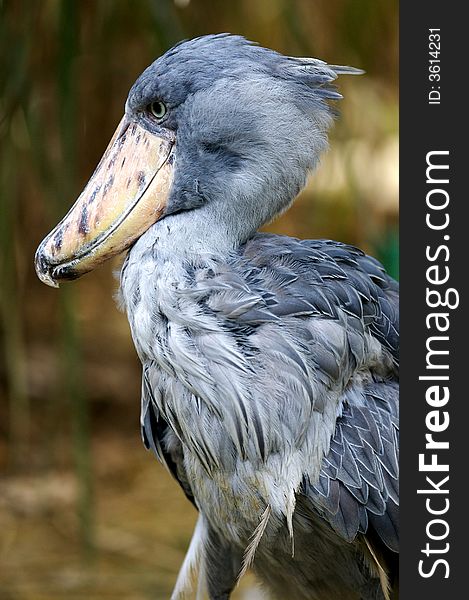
[[270, 364]]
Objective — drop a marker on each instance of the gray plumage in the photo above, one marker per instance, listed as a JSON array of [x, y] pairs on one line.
[[270, 364]]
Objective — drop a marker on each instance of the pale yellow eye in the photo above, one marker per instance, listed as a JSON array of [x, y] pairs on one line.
[[158, 109]]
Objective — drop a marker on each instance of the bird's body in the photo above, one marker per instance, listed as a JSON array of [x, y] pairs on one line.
[[273, 338], [270, 364]]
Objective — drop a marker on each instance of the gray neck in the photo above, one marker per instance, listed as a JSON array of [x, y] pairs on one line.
[[225, 222], [205, 231]]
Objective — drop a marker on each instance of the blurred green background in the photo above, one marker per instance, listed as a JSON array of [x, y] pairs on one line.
[[85, 512]]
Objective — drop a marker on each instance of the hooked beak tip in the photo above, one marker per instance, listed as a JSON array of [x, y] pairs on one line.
[[44, 269]]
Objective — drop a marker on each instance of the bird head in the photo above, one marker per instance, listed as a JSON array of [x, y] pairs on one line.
[[216, 125]]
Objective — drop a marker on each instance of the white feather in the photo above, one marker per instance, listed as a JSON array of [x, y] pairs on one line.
[[191, 567]]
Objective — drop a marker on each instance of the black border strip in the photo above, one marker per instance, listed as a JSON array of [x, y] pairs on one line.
[[424, 128]]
